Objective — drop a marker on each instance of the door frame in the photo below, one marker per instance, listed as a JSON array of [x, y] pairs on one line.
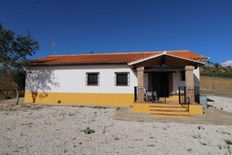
[[162, 80]]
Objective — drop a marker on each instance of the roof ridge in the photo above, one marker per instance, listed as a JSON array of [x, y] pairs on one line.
[[122, 52], [114, 57]]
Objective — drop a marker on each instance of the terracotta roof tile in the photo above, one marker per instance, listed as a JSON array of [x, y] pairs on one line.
[[109, 57]]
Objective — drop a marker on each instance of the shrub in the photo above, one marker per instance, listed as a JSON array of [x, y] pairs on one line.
[[88, 131], [228, 142], [217, 71]]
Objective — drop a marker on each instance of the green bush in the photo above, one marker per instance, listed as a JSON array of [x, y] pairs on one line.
[[88, 131], [228, 142], [217, 71]]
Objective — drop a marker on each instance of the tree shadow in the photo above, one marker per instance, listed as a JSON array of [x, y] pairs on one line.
[[196, 80], [39, 80]]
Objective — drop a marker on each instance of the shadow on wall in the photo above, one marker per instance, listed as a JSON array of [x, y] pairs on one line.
[[40, 81], [196, 80]]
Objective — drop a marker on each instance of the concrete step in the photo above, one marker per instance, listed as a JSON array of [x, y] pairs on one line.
[[170, 112], [168, 106], [169, 109], [170, 115]]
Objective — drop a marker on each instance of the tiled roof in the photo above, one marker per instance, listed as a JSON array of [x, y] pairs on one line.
[[109, 58]]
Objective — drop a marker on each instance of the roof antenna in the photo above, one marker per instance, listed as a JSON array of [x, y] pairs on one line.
[[52, 46]]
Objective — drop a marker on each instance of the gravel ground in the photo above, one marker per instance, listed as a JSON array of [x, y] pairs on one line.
[[222, 103], [59, 130]]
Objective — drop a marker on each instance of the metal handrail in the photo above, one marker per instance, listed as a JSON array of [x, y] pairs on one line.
[[184, 99]]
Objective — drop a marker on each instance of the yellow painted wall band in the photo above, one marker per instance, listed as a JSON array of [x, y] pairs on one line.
[[103, 99]]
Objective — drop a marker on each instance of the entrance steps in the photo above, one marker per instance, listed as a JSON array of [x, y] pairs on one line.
[[168, 110]]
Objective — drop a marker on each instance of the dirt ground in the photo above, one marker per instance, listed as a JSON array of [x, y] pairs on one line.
[[212, 116], [38, 129]]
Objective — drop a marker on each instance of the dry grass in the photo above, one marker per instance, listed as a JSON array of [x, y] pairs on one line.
[[216, 85], [9, 105]]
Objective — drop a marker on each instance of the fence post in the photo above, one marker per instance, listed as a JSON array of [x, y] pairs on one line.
[[135, 94]]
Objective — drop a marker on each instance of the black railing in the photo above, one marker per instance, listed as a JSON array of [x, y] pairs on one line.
[[184, 93], [156, 94], [153, 95], [197, 94], [135, 94]]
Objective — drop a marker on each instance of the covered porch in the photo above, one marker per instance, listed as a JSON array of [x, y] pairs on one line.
[[167, 87], [167, 78]]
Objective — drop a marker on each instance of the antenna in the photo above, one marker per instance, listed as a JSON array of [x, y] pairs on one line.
[[52, 46], [91, 52]]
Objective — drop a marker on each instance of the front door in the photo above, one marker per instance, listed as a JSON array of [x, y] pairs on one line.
[[160, 83]]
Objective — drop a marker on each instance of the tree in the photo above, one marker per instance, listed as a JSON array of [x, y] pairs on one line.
[[217, 65], [14, 52]]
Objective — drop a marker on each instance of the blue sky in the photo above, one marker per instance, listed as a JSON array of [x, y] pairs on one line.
[[82, 26]]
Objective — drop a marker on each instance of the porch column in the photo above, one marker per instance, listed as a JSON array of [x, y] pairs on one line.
[[189, 83], [140, 82]]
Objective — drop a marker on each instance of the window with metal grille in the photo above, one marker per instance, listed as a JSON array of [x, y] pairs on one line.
[[92, 79], [122, 79]]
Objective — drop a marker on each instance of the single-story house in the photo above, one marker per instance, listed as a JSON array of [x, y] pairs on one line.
[[115, 79]]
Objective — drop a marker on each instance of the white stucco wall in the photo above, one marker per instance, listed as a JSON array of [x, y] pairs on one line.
[[197, 76], [177, 80], [73, 79]]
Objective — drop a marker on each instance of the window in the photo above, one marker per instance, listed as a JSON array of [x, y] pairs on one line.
[[92, 79], [122, 79], [182, 75]]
